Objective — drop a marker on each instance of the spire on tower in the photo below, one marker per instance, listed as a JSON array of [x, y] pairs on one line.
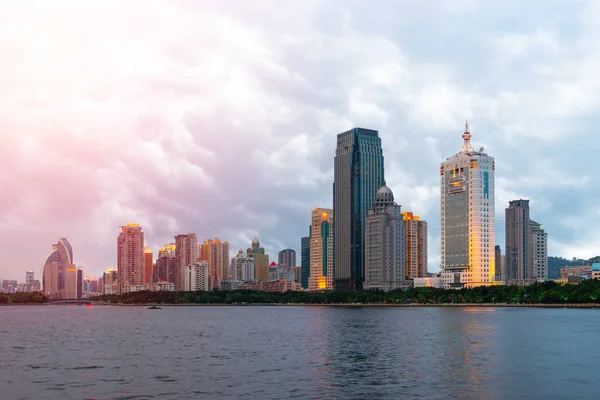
[[466, 148]]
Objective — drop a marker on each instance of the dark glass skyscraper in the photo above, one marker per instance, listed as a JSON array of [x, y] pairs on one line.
[[358, 175], [516, 257], [305, 259]]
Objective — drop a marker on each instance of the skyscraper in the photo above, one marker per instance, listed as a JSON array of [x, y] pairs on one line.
[[517, 230], [74, 283], [54, 269], [130, 256], [186, 253], [385, 260], [321, 250], [287, 257], [261, 261], [305, 259], [217, 254], [148, 265], [467, 217], [358, 175], [538, 251], [415, 234]]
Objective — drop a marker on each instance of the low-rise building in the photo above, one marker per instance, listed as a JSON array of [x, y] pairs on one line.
[[434, 282], [582, 271], [596, 271]]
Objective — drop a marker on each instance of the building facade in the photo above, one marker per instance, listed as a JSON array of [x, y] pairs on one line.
[[358, 175], [385, 258], [467, 217], [538, 251], [321, 250], [186, 253], [130, 255], [287, 257], [305, 259], [517, 231], [415, 236]]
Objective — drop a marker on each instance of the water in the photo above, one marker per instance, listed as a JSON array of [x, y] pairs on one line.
[[72, 352]]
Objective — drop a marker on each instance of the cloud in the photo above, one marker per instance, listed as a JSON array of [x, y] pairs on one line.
[[220, 117]]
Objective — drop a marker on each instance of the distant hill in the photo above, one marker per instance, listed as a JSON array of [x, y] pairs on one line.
[[556, 263]]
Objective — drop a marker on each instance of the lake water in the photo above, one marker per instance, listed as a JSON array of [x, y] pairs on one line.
[[74, 352]]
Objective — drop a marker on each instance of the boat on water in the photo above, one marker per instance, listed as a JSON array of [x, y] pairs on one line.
[[154, 308]]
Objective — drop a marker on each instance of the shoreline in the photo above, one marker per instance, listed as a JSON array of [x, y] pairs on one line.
[[341, 305]]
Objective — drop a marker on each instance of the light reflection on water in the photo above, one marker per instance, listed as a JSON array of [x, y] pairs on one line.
[[298, 352]]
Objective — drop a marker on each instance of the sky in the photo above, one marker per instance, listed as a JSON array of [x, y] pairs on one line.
[[220, 117]]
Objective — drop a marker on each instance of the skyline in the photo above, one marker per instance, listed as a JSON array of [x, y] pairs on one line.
[[153, 140]]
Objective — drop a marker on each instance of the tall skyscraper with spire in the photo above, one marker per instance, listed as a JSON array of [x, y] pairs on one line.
[[467, 217], [358, 175]]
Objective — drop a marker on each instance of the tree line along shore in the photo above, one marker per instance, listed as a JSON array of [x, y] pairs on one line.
[[547, 293]]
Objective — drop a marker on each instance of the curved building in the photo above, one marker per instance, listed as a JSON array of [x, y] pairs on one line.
[[54, 268]]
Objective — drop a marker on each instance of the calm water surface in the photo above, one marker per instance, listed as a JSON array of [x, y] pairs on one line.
[[72, 352]]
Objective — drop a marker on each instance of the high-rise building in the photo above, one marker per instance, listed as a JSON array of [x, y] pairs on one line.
[[385, 245], [415, 234], [358, 175], [498, 263], [517, 230], [217, 255], [29, 276], [305, 259], [74, 283], [467, 217], [54, 269], [321, 250], [110, 282], [242, 267], [148, 265], [538, 251], [130, 255], [287, 257], [165, 269], [261, 260], [195, 276], [186, 253]]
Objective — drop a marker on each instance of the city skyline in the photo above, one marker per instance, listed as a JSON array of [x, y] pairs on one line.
[[141, 141]]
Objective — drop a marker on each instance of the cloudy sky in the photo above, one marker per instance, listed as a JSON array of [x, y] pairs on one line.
[[220, 117]]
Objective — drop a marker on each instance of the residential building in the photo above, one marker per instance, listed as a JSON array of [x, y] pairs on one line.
[[186, 253], [467, 217], [148, 265], [110, 282], [242, 267], [517, 233], [74, 283], [9, 286], [385, 259], [277, 272], [580, 271], [596, 271], [305, 259], [415, 236], [54, 269], [321, 250], [287, 257], [165, 269], [261, 260], [538, 251], [217, 254], [358, 174], [130, 255], [195, 276]]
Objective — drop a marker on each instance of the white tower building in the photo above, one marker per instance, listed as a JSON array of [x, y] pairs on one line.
[[467, 217]]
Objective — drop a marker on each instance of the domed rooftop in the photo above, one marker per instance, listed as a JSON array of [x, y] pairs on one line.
[[385, 194], [255, 241]]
